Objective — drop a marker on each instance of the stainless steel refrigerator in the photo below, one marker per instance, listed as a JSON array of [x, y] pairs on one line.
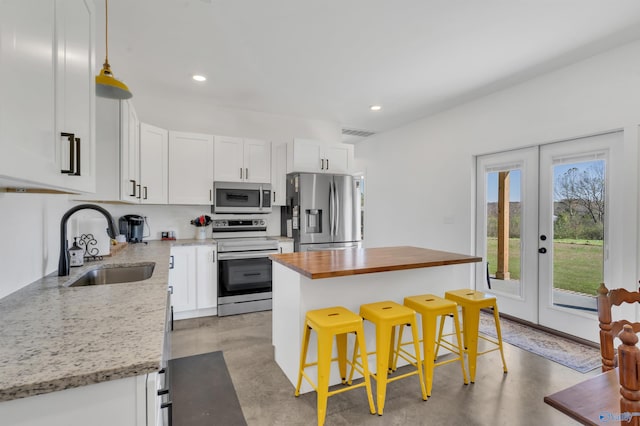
[[324, 211]]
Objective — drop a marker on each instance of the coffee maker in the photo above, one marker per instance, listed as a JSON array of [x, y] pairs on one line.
[[132, 226]]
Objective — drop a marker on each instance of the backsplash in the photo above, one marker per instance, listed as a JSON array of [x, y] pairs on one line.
[[30, 230]]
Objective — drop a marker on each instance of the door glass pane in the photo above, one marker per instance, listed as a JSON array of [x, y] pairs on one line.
[[578, 233], [503, 203]]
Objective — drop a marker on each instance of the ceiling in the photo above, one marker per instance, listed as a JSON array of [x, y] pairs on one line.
[[332, 59]]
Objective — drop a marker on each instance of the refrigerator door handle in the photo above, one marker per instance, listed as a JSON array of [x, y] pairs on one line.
[[336, 219], [331, 208]]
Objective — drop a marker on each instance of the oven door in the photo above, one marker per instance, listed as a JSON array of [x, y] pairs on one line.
[[242, 273], [242, 198]]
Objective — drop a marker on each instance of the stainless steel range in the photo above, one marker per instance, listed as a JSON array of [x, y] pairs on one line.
[[244, 267]]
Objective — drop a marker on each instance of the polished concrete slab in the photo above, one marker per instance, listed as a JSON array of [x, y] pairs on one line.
[[266, 396]]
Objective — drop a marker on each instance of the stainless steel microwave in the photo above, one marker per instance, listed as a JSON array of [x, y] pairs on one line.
[[239, 197]]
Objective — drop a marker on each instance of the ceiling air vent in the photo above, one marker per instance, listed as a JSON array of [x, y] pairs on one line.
[[358, 133]]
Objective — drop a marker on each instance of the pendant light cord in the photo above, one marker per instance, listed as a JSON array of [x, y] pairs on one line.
[[106, 31]]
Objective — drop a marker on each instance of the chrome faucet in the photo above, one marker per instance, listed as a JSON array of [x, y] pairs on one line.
[[63, 262]]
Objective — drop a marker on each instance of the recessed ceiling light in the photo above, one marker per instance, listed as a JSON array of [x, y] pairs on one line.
[[375, 107], [199, 78]]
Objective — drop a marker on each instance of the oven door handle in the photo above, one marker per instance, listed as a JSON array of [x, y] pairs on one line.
[[246, 255]]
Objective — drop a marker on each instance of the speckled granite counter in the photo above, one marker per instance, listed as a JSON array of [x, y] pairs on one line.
[[54, 337]]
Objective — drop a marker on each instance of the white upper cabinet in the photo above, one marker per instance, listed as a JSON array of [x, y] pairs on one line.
[[241, 160], [190, 168], [304, 155], [75, 92], [279, 175], [46, 65], [154, 164], [129, 132]]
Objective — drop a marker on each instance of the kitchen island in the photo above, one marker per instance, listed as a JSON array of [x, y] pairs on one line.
[[312, 280]]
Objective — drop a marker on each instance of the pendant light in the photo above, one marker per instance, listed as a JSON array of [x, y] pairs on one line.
[[107, 86]]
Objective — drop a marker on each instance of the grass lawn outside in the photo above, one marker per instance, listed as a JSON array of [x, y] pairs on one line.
[[577, 264]]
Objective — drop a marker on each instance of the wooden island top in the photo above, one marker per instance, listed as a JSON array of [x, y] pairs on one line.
[[338, 263]]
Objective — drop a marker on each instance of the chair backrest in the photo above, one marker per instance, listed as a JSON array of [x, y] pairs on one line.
[[610, 329]]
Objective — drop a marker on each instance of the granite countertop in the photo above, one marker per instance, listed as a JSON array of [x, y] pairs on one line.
[[337, 263], [54, 337]]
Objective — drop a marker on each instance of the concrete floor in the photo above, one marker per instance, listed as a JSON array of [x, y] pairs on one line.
[[266, 396]]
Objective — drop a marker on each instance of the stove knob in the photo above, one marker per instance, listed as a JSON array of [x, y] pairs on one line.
[[262, 222]]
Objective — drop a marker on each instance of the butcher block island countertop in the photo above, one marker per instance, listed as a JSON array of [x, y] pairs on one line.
[[338, 263]]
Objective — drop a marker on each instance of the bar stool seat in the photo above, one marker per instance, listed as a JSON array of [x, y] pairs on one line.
[[430, 308], [327, 323], [471, 302], [386, 316]]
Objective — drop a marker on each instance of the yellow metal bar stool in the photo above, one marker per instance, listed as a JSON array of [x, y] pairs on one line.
[[430, 308], [335, 321], [386, 316], [471, 302]]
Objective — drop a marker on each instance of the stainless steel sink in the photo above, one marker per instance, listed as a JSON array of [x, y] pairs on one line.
[[115, 274]]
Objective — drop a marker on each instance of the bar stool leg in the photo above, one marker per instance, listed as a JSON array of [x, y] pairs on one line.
[[303, 356], [416, 348], [383, 341], [325, 341], [470, 320], [456, 320], [341, 344], [428, 343], [496, 318], [360, 344]]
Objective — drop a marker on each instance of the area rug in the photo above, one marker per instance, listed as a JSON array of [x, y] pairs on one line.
[[203, 393], [571, 354]]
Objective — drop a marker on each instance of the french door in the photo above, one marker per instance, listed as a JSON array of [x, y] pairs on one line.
[[542, 230]]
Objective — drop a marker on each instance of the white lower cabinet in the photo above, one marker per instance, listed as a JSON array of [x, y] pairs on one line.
[[285, 246], [193, 278], [125, 402]]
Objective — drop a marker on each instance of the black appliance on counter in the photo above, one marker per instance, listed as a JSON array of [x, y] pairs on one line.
[[132, 226]]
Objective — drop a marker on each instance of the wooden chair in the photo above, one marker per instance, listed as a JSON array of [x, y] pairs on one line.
[[610, 329]]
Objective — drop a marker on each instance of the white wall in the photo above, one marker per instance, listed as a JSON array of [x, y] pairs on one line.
[[420, 178]]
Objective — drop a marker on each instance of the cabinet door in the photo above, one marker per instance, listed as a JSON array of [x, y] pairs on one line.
[[338, 158], [190, 168], [75, 92], [130, 189], [27, 86], [228, 161], [257, 161], [285, 246], [154, 164], [306, 156], [182, 278], [279, 175], [206, 277]]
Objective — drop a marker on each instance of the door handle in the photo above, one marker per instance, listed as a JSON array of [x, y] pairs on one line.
[[542, 250]]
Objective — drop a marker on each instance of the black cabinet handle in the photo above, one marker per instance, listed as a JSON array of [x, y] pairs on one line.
[[133, 188], [246, 173], [71, 138], [327, 164], [210, 195], [542, 250], [145, 193], [163, 391], [139, 192], [78, 157], [171, 264], [169, 406]]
